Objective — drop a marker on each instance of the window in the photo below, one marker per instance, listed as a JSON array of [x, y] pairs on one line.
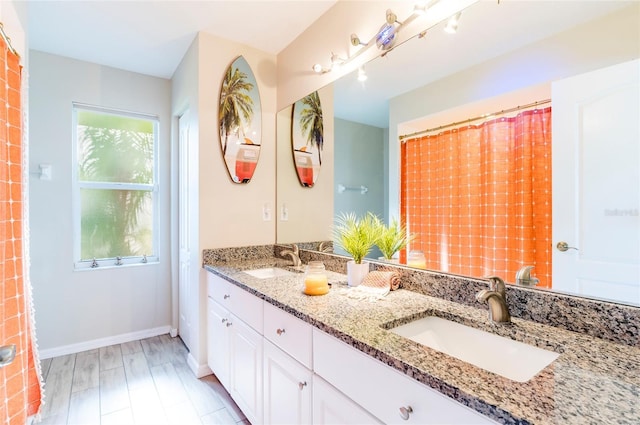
[[116, 197]]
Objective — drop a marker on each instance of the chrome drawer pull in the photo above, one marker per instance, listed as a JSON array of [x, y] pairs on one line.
[[301, 385], [229, 324], [224, 320], [405, 412], [280, 331], [226, 296]]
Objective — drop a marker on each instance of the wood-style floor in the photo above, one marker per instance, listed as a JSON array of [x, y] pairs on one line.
[[139, 382]]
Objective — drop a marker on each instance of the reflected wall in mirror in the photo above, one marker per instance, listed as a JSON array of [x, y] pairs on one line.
[[240, 121], [503, 55], [307, 138]]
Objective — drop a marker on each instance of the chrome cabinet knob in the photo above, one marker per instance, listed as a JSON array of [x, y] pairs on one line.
[[226, 296], [223, 320], [229, 324], [301, 385], [280, 331], [405, 412]]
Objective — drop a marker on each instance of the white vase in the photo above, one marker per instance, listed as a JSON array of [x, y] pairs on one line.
[[356, 272]]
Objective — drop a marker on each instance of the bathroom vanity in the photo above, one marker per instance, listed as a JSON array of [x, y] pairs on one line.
[[270, 344]]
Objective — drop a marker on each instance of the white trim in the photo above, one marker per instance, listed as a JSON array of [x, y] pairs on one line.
[[103, 342], [199, 370]]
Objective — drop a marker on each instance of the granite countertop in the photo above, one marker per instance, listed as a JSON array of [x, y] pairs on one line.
[[593, 381]]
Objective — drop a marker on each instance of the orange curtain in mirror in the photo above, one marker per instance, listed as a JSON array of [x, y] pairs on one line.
[[479, 197], [20, 390]]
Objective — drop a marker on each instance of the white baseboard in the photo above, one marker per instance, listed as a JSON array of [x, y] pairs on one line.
[[198, 369], [103, 342]]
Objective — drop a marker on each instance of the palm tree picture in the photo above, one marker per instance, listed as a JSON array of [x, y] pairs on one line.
[[307, 135], [240, 121]]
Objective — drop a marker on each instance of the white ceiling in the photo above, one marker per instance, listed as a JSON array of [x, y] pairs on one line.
[[152, 36]]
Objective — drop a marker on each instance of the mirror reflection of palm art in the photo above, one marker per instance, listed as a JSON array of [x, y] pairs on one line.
[[307, 137], [240, 121]]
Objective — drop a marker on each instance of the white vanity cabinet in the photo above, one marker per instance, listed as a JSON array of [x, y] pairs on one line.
[[287, 388], [331, 407], [287, 368], [280, 369], [383, 391], [218, 341], [234, 343]]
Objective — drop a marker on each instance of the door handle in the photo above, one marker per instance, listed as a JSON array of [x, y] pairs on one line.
[[564, 247], [7, 354]]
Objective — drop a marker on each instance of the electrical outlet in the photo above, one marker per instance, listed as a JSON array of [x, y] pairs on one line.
[[266, 212], [284, 213]]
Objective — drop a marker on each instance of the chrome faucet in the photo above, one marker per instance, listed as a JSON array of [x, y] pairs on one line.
[[325, 246], [524, 278], [293, 253], [496, 297]]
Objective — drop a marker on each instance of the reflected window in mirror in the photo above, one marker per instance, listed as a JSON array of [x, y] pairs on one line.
[[307, 138], [240, 121]]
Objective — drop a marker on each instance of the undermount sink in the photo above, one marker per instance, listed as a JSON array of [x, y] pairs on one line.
[[508, 358], [268, 272]]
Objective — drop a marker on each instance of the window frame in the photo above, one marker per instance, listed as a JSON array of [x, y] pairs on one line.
[[77, 185]]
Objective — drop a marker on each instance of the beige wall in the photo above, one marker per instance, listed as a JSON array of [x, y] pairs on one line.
[[78, 310], [226, 214]]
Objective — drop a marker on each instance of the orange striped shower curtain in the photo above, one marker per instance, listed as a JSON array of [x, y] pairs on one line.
[[479, 197], [20, 388]]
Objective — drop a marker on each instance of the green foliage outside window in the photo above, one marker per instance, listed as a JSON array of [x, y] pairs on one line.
[[116, 177]]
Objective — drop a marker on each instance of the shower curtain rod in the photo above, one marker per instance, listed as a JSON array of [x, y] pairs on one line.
[[7, 40], [454, 124]]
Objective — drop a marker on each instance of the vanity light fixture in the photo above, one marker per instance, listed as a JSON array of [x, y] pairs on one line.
[[336, 61], [384, 38], [355, 41], [452, 23], [319, 69], [362, 75]]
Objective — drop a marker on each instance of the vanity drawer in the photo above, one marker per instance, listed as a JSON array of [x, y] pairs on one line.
[[247, 307], [219, 290], [384, 391], [289, 333]]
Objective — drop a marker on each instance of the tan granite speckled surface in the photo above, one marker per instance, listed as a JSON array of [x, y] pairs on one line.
[[593, 380]]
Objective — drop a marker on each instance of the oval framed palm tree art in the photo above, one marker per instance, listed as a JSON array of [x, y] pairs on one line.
[[307, 138], [240, 121]]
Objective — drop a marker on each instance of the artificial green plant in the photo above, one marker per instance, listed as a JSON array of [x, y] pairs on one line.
[[356, 235], [392, 238]]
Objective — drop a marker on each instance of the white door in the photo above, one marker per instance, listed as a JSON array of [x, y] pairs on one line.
[[185, 294], [596, 183]]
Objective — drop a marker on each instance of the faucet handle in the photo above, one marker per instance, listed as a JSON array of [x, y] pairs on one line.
[[496, 284]]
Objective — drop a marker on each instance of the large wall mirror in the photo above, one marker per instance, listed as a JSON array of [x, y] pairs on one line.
[[503, 55]]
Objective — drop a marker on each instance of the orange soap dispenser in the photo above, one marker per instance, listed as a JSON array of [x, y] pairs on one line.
[[315, 279]]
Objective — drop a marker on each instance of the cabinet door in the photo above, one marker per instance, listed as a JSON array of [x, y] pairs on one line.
[[330, 406], [287, 388], [218, 341], [245, 362]]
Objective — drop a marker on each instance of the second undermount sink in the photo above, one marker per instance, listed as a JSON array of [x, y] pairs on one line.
[[508, 358], [268, 272]]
